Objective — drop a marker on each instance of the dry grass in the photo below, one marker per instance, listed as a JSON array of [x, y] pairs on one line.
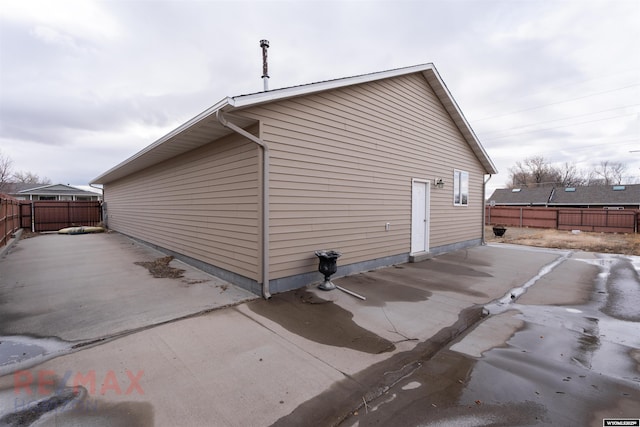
[[618, 243]]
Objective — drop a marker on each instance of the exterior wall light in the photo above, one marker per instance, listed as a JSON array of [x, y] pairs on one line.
[[439, 183]]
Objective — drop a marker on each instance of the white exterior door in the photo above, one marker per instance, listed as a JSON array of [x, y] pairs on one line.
[[419, 216]]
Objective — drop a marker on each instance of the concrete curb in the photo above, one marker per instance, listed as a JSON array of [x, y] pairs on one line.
[[6, 248]]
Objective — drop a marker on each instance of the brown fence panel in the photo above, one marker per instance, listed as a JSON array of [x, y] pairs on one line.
[[9, 218], [25, 215], [54, 215], [598, 220], [521, 216], [608, 221]]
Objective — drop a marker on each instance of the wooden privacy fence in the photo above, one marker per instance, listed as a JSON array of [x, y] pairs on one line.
[[9, 218], [599, 220], [49, 215]]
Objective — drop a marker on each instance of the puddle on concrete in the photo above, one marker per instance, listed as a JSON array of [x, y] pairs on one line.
[[19, 352], [444, 267], [623, 286], [303, 313], [556, 366], [435, 402], [374, 381], [468, 257], [379, 291], [54, 402], [27, 411], [510, 297], [567, 365], [563, 367]]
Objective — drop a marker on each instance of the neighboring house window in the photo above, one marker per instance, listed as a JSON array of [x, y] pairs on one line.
[[460, 188], [47, 198]]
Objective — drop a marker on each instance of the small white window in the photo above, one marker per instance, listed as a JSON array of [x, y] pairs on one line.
[[460, 188]]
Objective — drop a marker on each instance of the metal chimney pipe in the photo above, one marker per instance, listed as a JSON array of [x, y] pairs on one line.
[[264, 44]]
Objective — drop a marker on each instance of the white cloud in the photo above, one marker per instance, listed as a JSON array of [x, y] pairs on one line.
[[75, 18], [103, 79]]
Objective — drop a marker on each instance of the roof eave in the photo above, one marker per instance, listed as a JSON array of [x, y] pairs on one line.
[[117, 171]]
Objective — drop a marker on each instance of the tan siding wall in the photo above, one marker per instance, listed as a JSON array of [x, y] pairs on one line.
[[341, 167], [203, 204]]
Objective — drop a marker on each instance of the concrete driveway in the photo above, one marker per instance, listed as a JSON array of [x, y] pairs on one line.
[[300, 356], [87, 287]]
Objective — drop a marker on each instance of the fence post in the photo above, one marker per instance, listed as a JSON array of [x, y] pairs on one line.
[[3, 220], [521, 217]]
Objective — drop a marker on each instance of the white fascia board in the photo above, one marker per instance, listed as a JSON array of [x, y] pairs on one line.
[[195, 120], [28, 190], [279, 94]]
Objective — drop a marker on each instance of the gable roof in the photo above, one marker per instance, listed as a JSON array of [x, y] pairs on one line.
[[598, 195], [205, 127], [53, 189]]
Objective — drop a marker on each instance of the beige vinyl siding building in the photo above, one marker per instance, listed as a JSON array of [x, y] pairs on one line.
[[202, 204], [352, 165]]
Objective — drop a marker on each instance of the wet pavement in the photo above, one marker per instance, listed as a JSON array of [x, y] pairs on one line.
[[526, 328], [529, 363], [308, 315]]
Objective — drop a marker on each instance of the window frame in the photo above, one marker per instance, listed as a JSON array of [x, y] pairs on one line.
[[460, 187]]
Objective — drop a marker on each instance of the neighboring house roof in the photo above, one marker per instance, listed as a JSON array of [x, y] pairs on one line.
[[19, 189], [205, 127], [610, 195], [600, 195], [521, 196]]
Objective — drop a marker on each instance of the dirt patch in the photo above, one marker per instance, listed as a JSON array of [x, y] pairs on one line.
[[616, 243], [159, 268]]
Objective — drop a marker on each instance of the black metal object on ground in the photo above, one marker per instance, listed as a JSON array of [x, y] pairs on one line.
[[328, 266]]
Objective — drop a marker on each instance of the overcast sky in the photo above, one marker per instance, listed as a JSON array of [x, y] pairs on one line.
[[85, 84]]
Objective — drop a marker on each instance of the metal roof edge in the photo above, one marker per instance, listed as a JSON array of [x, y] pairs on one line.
[[26, 190], [507, 204], [203, 115], [34, 188], [596, 203], [309, 88]]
